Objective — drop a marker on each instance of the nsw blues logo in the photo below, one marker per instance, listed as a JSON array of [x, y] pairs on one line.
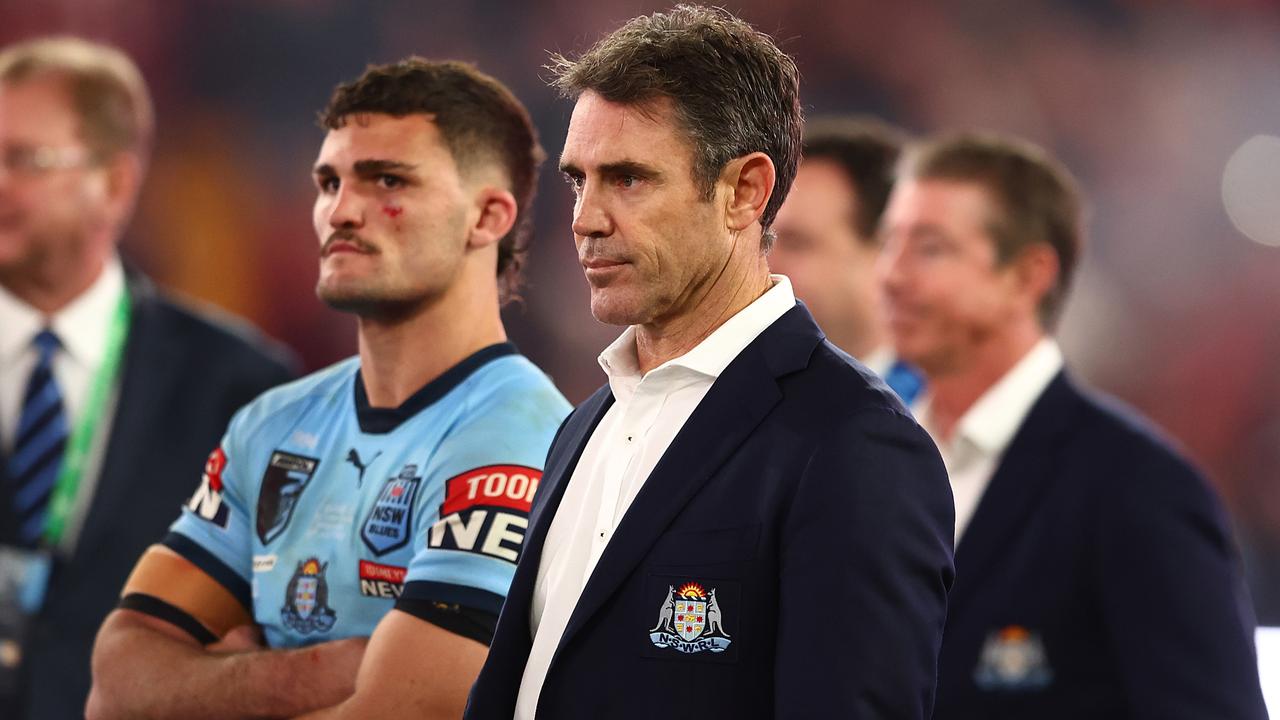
[[690, 621], [389, 523], [306, 599], [286, 477]]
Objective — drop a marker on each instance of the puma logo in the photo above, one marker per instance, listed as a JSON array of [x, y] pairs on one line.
[[353, 457]]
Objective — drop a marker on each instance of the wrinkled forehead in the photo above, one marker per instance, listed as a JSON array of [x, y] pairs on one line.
[[410, 139], [603, 132]]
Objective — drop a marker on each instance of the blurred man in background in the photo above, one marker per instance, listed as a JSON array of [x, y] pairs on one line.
[[1095, 572], [109, 392], [827, 238], [384, 497]]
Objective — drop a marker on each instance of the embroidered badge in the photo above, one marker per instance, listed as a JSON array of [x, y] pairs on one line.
[[1013, 659], [388, 524], [690, 621], [306, 599], [286, 477]]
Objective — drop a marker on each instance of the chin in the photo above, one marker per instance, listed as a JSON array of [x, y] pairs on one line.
[[617, 311]]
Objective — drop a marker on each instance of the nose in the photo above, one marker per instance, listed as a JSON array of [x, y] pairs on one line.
[[590, 216], [890, 274], [346, 209]]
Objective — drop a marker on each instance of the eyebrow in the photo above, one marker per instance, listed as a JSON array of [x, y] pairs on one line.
[[622, 167], [368, 167]]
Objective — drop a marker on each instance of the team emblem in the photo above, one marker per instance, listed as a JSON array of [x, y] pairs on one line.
[[286, 477], [690, 621], [306, 599], [389, 522], [1013, 659]]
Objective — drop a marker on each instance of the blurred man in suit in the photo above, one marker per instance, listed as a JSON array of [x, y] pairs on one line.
[[1095, 572], [110, 394], [743, 522], [827, 238]]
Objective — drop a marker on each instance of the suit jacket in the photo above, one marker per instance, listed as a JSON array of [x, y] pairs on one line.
[[1097, 579], [803, 494], [184, 374]]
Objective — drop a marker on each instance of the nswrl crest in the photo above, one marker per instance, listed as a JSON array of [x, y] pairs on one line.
[[690, 621], [306, 599], [1013, 659]]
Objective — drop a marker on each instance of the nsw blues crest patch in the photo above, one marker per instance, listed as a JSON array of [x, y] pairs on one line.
[[390, 522]]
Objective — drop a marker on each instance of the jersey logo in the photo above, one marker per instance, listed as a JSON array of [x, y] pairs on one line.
[[388, 525], [486, 511], [306, 599], [286, 477], [353, 457], [381, 581], [206, 503], [690, 621]]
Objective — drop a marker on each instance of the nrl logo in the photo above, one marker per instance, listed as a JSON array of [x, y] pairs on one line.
[[306, 599], [690, 621]]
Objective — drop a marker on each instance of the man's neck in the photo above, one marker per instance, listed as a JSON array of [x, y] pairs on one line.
[[401, 354], [658, 342], [49, 289], [953, 391]]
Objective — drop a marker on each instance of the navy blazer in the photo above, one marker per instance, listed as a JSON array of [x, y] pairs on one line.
[[804, 495], [184, 375], [1097, 579]]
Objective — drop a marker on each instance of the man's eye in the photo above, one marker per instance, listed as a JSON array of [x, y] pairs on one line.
[[327, 184], [573, 181], [627, 181], [390, 182]]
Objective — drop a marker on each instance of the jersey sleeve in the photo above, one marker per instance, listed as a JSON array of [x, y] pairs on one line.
[[214, 532], [483, 479]]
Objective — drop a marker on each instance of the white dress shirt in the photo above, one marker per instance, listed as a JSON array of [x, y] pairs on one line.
[[81, 327], [984, 432], [647, 413], [879, 360]]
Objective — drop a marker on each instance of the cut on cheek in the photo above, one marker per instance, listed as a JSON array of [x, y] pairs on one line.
[[392, 211]]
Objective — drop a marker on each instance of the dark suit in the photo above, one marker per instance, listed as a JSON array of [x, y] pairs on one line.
[[183, 376], [802, 492], [1106, 561]]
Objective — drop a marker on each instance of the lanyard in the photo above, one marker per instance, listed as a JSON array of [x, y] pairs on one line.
[[77, 449]]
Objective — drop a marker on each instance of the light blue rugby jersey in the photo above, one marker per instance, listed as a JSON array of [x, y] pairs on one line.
[[319, 512]]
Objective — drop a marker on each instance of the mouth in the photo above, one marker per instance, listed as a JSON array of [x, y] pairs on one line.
[[599, 270]]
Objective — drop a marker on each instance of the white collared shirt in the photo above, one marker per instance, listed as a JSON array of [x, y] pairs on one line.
[[647, 413], [984, 432], [82, 328], [879, 360]]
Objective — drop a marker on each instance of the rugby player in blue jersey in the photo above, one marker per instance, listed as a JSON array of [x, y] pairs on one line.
[[350, 543]]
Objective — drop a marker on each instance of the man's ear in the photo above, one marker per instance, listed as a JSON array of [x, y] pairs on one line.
[[750, 180], [495, 215], [1036, 269], [123, 182]]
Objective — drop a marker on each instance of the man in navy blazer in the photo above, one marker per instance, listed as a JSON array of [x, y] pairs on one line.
[[75, 126], [744, 522], [1095, 572]]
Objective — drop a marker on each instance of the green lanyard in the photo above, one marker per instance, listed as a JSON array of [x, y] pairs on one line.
[[77, 449]]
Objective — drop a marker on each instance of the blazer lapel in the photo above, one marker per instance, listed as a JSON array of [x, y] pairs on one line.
[[738, 400], [1019, 484]]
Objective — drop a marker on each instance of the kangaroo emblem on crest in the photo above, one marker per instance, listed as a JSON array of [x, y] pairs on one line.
[[668, 608]]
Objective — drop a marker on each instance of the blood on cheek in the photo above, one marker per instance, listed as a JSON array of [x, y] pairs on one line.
[[392, 211]]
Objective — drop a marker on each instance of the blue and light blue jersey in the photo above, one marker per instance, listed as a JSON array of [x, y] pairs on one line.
[[319, 512]]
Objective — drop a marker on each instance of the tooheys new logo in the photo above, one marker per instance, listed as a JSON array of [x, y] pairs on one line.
[[207, 503], [486, 511]]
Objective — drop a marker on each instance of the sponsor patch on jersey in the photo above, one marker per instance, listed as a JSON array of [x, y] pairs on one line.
[[390, 521], [287, 475], [207, 503], [486, 511], [264, 563], [306, 599], [381, 581]]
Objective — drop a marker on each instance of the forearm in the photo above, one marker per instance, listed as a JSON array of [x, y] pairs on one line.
[[143, 668]]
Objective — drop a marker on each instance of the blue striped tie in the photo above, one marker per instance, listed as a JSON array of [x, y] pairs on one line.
[[42, 435]]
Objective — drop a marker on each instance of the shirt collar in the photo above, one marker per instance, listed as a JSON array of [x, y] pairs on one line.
[[992, 421], [81, 326], [879, 360], [710, 357]]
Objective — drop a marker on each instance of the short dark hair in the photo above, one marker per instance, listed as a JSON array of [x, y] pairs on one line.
[[480, 120], [734, 91], [867, 150], [105, 86], [1036, 198]]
